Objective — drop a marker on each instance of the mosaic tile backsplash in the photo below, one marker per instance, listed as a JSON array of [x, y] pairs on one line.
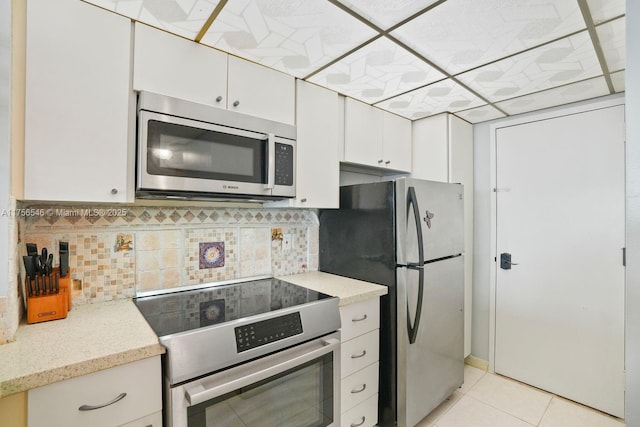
[[114, 252]]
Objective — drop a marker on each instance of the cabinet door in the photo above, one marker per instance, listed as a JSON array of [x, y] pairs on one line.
[[431, 149], [260, 91], [78, 142], [132, 391], [362, 134], [170, 65], [396, 142], [317, 162]]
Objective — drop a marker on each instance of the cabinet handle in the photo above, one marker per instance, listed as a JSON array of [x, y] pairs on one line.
[[114, 191], [359, 319], [303, 200], [387, 162], [360, 390], [94, 407], [358, 356], [236, 103], [219, 98], [360, 423], [380, 162]]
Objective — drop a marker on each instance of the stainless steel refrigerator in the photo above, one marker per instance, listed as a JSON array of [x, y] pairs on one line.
[[407, 235]]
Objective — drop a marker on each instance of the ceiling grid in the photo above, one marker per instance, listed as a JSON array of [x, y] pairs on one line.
[[477, 59]]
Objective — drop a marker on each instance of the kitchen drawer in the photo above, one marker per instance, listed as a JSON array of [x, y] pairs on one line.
[[359, 386], [153, 420], [358, 353], [359, 318], [363, 415], [57, 404]]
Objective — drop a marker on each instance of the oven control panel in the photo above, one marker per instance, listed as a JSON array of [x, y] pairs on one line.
[[267, 331]]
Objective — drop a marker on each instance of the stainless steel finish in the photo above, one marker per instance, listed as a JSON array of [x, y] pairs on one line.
[[204, 350], [359, 319], [358, 356], [173, 110], [118, 398], [236, 103], [445, 237], [442, 316], [219, 98], [271, 162], [200, 391], [360, 390], [149, 101], [215, 385], [114, 191]]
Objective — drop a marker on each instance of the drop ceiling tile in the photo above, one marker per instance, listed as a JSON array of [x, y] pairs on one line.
[[182, 17], [574, 92], [379, 70], [444, 96], [296, 37], [601, 10], [462, 34], [618, 81], [612, 40], [387, 13], [480, 114], [564, 61]]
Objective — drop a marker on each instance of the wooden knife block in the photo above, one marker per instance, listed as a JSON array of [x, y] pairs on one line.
[[50, 306]]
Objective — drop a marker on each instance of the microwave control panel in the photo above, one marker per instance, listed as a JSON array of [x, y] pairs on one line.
[[267, 331], [284, 164]]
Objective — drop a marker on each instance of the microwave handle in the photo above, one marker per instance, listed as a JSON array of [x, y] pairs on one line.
[[200, 391], [271, 161]]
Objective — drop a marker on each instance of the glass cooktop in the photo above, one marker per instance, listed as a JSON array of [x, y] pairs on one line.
[[187, 310]]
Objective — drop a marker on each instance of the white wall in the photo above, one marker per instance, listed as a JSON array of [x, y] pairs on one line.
[[5, 129], [484, 201], [633, 215]]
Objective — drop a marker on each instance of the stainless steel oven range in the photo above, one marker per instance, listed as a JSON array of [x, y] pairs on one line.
[[261, 353]]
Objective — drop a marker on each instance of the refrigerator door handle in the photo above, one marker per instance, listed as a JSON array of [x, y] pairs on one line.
[[412, 200], [412, 330]]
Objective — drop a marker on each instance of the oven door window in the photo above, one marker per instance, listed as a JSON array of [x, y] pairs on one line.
[[300, 397], [185, 151]]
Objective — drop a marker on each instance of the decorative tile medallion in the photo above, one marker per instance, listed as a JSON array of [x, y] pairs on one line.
[[211, 255]]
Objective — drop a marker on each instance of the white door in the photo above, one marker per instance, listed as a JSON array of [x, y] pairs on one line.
[[560, 214]]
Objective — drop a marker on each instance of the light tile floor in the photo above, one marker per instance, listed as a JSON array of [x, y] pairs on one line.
[[489, 400]]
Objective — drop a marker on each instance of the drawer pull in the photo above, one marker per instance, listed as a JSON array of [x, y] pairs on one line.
[[360, 423], [360, 319], [360, 390], [94, 407], [358, 356]]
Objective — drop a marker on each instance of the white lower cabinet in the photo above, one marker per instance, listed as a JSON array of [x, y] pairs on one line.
[[363, 415], [359, 363], [128, 395]]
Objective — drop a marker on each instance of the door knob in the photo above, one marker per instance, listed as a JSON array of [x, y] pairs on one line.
[[505, 261]]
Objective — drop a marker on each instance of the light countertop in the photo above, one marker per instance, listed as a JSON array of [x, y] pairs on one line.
[[92, 337], [348, 290]]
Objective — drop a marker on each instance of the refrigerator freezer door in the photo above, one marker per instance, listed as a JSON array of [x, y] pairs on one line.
[[432, 368], [441, 220]]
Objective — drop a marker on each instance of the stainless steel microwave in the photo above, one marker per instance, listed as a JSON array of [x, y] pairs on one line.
[[189, 150]]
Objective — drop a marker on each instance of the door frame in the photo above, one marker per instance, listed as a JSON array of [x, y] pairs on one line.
[[552, 113]]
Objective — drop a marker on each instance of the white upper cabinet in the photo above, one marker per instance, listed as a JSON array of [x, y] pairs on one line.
[[431, 148], [173, 66], [260, 91], [396, 142], [317, 162], [376, 138], [78, 134]]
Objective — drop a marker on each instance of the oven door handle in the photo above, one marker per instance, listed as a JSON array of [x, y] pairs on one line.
[[202, 390], [271, 162]]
